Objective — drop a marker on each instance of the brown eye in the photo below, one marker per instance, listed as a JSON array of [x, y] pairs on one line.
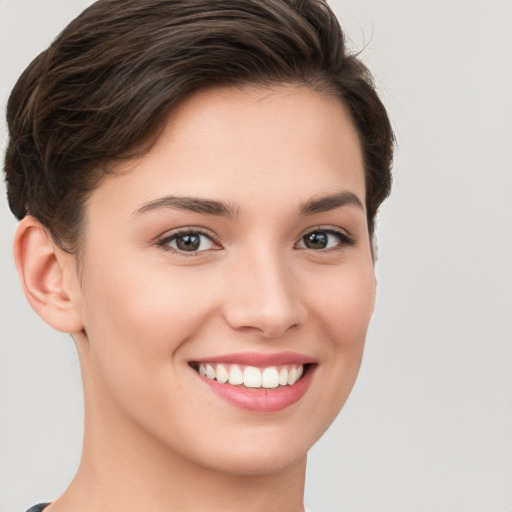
[[189, 242], [316, 240], [325, 239]]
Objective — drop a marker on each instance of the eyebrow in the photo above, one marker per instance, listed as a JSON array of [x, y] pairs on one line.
[[331, 202], [192, 204], [222, 209]]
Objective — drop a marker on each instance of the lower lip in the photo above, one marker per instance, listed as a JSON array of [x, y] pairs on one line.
[[261, 399]]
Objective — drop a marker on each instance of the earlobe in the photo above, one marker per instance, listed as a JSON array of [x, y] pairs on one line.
[[48, 277]]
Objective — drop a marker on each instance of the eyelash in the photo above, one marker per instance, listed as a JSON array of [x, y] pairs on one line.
[[344, 239], [164, 242]]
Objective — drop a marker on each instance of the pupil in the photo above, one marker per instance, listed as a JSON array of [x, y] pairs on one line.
[[316, 241], [188, 242]]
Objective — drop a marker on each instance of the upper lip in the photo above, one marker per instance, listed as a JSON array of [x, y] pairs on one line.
[[258, 359]]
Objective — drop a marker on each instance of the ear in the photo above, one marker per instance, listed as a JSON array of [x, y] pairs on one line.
[[48, 276]]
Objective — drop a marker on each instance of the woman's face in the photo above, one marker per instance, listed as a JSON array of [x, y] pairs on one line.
[[236, 249]]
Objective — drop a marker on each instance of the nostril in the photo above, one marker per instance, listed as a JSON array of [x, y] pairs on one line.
[[269, 325]]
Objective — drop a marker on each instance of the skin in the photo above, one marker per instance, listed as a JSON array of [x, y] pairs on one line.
[[154, 433]]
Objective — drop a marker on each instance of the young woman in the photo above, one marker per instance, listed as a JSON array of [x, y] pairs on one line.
[[197, 184]]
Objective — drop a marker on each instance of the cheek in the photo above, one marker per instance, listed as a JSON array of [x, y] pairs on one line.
[[345, 309], [137, 319], [146, 311], [345, 304]]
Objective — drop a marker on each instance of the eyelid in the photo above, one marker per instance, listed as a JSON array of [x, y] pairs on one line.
[[345, 238], [163, 240]]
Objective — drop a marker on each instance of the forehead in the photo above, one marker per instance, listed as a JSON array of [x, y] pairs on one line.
[[284, 143]]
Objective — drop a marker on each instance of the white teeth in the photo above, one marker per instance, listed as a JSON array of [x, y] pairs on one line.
[[235, 375], [270, 377], [292, 376], [251, 376], [222, 374], [210, 371]]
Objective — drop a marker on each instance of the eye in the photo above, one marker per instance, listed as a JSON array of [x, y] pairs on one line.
[[322, 239], [188, 242]]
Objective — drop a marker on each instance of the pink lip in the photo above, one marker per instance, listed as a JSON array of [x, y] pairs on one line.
[[261, 399], [259, 360]]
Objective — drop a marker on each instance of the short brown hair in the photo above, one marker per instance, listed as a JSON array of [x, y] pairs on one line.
[[104, 87]]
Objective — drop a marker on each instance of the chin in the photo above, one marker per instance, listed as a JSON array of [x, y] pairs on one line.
[[256, 449], [258, 461]]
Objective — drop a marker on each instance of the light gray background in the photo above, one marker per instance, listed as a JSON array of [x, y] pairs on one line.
[[429, 424]]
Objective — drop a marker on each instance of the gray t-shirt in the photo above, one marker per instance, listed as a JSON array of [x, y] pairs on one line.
[[37, 508]]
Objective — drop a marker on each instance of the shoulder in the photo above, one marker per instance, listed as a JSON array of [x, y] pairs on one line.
[[37, 508]]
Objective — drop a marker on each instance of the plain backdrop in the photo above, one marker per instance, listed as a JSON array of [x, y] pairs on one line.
[[428, 426]]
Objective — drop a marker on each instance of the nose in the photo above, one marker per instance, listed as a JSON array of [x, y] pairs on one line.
[[263, 296]]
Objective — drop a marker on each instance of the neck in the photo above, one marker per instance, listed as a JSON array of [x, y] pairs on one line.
[[123, 468], [115, 476]]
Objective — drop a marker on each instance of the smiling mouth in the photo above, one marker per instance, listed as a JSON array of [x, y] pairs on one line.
[[245, 376]]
